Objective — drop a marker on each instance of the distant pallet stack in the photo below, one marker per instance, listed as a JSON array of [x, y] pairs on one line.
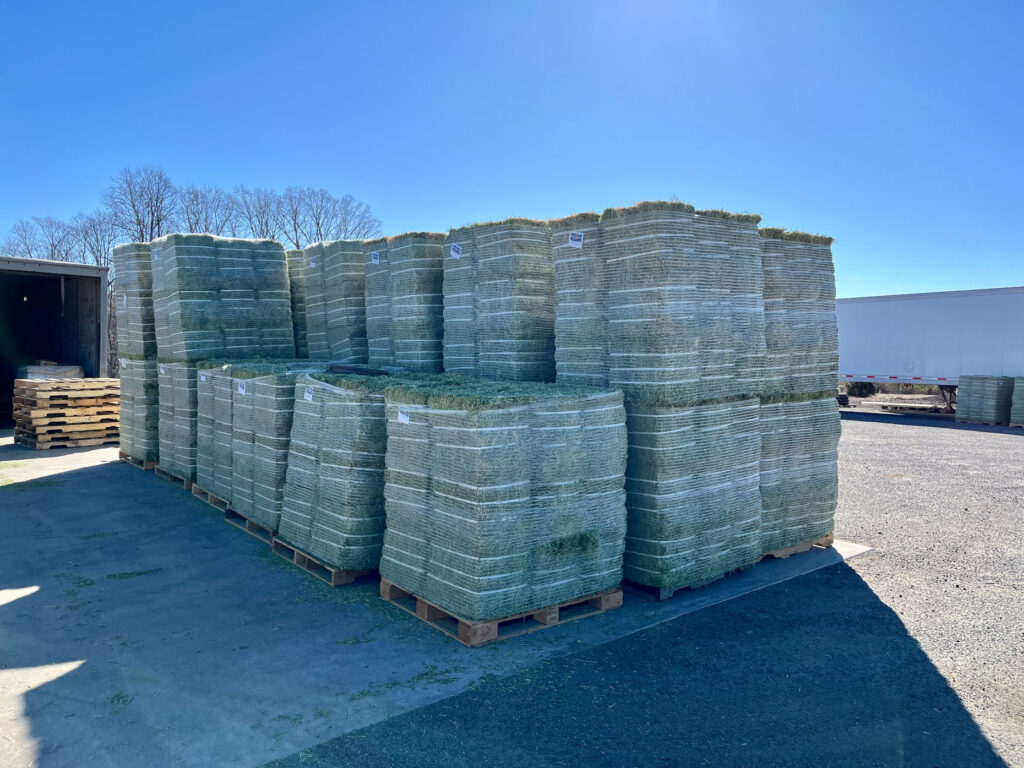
[[67, 413]]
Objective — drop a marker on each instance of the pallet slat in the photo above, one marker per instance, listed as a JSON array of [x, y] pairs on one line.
[[326, 573], [181, 482], [84, 443], [140, 463], [243, 523]]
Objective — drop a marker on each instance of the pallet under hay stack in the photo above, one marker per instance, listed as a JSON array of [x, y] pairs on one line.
[[505, 505], [66, 413]]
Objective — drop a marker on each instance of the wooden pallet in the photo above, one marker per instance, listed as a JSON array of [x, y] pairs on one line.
[[81, 443], [214, 501], [111, 417], [783, 552], [43, 386], [64, 436], [64, 396], [140, 463], [72, 412], [326, 573], [254, 529], [476, 633], [1017, 426], [67, 429], [47, 404], [181, 482], [981, 423]]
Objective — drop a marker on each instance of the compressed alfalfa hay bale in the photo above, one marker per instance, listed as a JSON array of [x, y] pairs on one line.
[[684, 303], [213, 380], [316, 302], [1017, 402], [692, 491], [220, 297], [503, 498], [345, 288], [459, 315], [801, 331], [581, 323], [297, 282], [178, 419], [133, 301], [140, 409], [415, 264], [380, 349], [333, 505], [263, 400], [799, 469], [985, 399]]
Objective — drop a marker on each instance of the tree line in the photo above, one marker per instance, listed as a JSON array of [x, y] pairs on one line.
[[141, 204]]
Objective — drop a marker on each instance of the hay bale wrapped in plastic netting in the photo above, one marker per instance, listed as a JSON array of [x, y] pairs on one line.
[[692, 492], [263, 398], [581, 324], [417, 327], [297, 282], [178, 418], [213, 428], [801, 332], [684, 303], [140, 409], [503, 498], [984, 399], [799, 470], [333, 506], [459, 315], [380, 350], [345, 286], [220, 297], [316, 302], [133, 301], [1016, 402]]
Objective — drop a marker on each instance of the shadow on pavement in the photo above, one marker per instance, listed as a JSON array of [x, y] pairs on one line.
[[919, 420], [813, 672]]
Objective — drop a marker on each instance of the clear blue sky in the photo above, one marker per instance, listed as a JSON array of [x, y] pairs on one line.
[[898, 128]]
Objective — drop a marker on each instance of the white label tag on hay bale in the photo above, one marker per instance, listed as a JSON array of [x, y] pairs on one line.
[[403, 416], [124, 362], [156, 254], [312, 261], [202, 376], [125, 295], [576, 239], [375, 257], [162, 371], [456, 250], [241, 387], [308, 394]]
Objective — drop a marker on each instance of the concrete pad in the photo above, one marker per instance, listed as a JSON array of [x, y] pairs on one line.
[[137, 626]]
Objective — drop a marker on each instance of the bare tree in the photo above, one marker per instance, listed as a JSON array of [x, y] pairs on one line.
[[259, 211], [23, 240], [60, 241], [206, 209], [331, 218], [292, 219], [356, 221], [97, 235], [141, 203]]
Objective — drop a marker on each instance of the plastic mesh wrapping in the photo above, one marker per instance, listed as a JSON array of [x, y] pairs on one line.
[[508, 273], [581, 324], [316, 302], [297, 282], [177, 424], [140, 409], [380, 349], [801, 332], [345, 285], [213, 429], [799, 470], [1016, 404], [692, 492], [984, 398], [503, 498], [333, 507], [685, 304], [220, 297], [263, 397], [133, 300]]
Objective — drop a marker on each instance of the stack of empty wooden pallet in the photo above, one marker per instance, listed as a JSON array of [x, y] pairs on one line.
[[67, 413]]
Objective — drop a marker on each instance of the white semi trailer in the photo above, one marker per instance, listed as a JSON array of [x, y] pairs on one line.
[[931, 338]]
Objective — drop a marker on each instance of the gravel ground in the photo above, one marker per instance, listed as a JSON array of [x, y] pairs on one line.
[[912, 655]]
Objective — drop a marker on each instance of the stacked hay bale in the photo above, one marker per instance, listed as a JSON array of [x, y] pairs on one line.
[[680, 328], [316, 302], [1016, 403], [800, 423], [297, 282], [503, 498], [333, 505], [407, 297], [136, 347], [213, 297], [509, 274], [984, 399], [213, 429], [335, 301]]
